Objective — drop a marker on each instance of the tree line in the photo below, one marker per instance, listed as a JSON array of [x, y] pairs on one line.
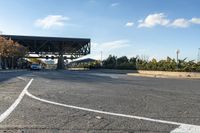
[[11, 53], [142, 63]]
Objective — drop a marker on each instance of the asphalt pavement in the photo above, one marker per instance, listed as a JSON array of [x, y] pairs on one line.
[[94, 101]]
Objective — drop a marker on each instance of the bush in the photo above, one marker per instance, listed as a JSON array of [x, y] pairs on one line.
[[112, 62]]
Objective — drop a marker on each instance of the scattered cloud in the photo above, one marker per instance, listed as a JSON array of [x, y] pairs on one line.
[[195, 20], [114, 45], [153, 20], [114, 4], [51, 21], [161, 19], [180, 23], [107, 48], [140, 21], [129, 24]]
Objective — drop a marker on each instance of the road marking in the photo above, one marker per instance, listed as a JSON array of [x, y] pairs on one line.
[[114, 76], [186, 129], [21, 78], [14, 105], [183, 128]]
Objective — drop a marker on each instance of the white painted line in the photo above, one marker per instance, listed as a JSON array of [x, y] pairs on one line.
[[21, 78], [183, 128], [14, 105], [114, 76], [186, 129]]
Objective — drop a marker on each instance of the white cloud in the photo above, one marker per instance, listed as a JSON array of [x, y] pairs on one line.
[[153, 20], [140, 21], [51, 21], [180, 23], [114, 4], [195, 20], [160, 19], [107, 48], [129, 24]]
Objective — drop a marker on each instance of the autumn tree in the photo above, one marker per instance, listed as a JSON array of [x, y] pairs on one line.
[[10, 52]]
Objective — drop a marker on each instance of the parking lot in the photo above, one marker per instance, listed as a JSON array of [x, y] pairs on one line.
[[93, 101]]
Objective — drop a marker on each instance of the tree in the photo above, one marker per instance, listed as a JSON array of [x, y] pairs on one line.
[[142, 62], [110, 62], [152, 65], [132, 62], [123, 63], [122, 60], [10, 52]]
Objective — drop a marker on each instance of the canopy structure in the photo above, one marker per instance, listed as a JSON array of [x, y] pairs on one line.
[[71, 48]]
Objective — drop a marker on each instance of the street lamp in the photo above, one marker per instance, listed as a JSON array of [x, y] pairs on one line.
[[177, 53], [101, 58]]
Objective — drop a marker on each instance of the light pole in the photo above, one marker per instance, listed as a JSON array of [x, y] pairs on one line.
[[198, 56], [101, 59], [177, 53]]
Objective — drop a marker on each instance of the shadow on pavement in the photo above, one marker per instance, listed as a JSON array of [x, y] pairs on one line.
[[9, 74], [88, 76]]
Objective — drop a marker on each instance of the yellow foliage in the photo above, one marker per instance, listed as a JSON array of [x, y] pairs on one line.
[[9, 48]]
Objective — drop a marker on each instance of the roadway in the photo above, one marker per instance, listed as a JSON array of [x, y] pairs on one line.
[[93, 101]]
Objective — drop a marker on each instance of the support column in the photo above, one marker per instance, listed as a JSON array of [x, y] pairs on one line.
[[60, 64]]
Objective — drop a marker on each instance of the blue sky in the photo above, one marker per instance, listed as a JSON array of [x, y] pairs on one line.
[[155, 28]]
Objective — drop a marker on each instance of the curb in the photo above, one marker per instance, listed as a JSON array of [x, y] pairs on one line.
[[160, 76]]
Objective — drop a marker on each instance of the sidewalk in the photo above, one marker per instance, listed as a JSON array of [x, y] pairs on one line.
[[165, 74]]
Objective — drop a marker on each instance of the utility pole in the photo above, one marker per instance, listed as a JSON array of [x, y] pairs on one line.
[[198, 57], [101, 58], [177, 53]]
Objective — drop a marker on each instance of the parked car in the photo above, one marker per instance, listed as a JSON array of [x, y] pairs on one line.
[[35, 67]]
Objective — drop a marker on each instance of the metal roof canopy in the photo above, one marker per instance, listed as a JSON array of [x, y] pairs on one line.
[[75, 47]]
